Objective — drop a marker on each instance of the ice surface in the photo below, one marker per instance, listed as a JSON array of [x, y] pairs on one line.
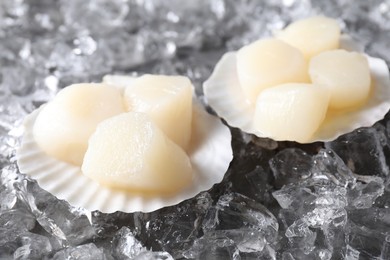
[[279, 200], [82, 252], [362, 151], [175, 229], [319, 212], [234, 211], [149, 255], [125, 245], [236, 227], [290, 165]]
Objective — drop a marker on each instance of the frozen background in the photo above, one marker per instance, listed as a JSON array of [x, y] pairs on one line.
[[279, 200]]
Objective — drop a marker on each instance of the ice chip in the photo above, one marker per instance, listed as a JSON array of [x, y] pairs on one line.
[[34, 246], [83, 252], [149, 255], [362, 151], [175, 229], [125, 245], [364, 195], [291, 165], [214, 247], [235, 211]]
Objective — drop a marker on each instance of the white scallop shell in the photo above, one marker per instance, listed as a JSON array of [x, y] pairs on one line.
[[210, 156], [223, 93]]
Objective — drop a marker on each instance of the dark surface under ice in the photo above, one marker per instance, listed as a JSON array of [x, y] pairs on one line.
[[278, 200]]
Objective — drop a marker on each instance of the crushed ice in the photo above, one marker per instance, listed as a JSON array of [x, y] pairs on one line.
[[278, 200]]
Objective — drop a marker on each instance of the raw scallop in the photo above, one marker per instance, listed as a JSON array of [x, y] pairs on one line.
[[130, 152], [312, 35], [63, 127], [266, 63], [291, 112], [167, 100], [345, 74]]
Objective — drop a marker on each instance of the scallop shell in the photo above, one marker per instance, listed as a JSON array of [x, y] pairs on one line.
[[210, 155], [223, 93]]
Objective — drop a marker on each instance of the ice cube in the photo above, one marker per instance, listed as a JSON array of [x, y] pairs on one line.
[[362, 151], [68, 224], [125, 245], [83, 252], [364, 195], [175, 229], [149, 255], [33, 246], [214, 247], [235, 211], [290, 165]]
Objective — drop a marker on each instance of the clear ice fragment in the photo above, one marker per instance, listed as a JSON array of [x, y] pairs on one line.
[[291, 165], [362, 151], [83, 252], [125, 245], [149, 255]]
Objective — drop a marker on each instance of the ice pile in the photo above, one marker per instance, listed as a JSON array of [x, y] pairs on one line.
[[324, 210], [279, 200]]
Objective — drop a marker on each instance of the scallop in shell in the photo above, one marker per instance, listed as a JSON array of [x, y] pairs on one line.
[[223, 93], [210, 154]]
